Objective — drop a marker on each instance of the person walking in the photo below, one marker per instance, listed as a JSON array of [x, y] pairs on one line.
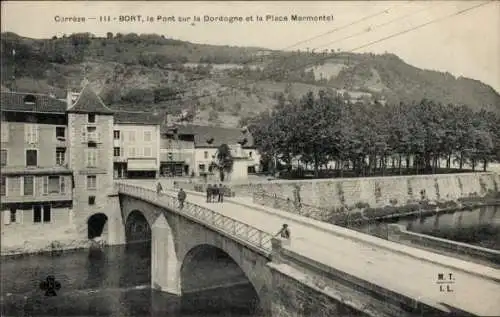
[[159, 188], [181, 196], [222, 190], [284, 233], [215, 192], [209, 193]]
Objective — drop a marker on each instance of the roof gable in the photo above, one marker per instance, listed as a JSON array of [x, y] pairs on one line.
[[89, 102], [31, 102]]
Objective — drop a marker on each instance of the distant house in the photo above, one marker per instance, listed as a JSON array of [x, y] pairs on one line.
[[190, 149]]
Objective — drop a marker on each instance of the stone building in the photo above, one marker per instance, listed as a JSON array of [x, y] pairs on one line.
[[58, 165]]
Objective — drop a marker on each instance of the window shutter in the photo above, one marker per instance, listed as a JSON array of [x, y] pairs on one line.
[[84, 134], [19, 216], [34, 133], [96, 157], [6, 217], [62, 184], [98, 135], [45, 185], [27, 128]]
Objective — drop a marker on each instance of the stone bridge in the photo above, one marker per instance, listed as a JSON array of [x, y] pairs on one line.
[[323, 270]]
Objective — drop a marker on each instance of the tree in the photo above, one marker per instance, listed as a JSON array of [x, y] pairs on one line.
[[223, 161]]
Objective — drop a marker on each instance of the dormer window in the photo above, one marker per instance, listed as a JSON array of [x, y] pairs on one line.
[[91, 118], [210, 141], [29, 99]]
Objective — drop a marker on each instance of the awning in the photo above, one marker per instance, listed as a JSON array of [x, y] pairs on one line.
[[142, 165]]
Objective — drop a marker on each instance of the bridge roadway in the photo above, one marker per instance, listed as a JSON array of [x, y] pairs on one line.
[[476, 289]]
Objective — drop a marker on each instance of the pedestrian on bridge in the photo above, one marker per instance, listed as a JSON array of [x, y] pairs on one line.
[[222, 190], [159, 188], [284, 233], [215, 192], [210, 191], [181, 196]]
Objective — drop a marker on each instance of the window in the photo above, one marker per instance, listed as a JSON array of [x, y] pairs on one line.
[[250, 153], [116, 151], [4, 157], [131, 136], [31, 157], [28, 185], [46, 213], [53, 184], [91, 118], [201, 167], [60, 132], [91, 182], [3, 186], [131, 151], [147, 136], [116, 134], [91, 200], [205, 154], [147, 152], [13, 214], [170, 156], [92, 134], [60, 156], [31, 133], [91, 157], [37, 214]]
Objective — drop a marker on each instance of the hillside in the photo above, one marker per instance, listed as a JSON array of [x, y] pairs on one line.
[[219, 85]]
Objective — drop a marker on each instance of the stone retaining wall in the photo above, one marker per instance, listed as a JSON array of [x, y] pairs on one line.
[[374, 191], [398, 233]]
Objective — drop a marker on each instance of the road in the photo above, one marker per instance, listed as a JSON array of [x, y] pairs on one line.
[[394, 271]]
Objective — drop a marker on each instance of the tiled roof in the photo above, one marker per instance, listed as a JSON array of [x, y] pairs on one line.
[[137, 117], [89, 102], [207, 136], [30, 102]]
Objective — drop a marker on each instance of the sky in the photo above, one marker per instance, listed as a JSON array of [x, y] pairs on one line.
[[466, 45]]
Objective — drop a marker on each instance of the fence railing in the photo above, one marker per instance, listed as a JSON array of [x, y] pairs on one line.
[[247, 234], [286, 204]]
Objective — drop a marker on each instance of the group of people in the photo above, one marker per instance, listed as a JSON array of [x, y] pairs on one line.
[[215, 192]]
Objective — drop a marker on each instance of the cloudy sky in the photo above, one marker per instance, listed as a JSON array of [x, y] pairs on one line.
[[467, 44]]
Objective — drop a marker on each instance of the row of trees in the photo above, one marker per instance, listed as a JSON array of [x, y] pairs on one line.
[[324, 128]]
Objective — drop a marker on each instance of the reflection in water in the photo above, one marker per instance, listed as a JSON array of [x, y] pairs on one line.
[[113, 282], [479, 227]]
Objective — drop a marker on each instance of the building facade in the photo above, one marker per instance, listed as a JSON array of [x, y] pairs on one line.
[[191, 149], [58, 167], [136, 144]]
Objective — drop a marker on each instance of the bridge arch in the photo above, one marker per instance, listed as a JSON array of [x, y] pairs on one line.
[[97, 225], [137, 228], [211, 279]]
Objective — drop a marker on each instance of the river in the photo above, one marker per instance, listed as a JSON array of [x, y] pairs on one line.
[[114, 282], [479, 227]]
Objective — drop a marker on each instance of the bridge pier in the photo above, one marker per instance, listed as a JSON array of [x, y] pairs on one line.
[[165, 275]]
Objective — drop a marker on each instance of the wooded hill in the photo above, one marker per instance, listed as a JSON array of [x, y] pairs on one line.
[[219, 85]]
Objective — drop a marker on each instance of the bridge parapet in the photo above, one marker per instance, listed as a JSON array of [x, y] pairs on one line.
[[254, 238]]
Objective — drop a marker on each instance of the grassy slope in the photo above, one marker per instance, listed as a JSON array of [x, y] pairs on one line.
[[114, 69]]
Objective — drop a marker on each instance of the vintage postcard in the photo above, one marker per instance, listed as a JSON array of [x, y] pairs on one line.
[[247, 158]]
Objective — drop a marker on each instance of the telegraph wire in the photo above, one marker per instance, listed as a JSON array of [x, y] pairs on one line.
[[370, 29], [372, 42], [421, 26], [341, 27]]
